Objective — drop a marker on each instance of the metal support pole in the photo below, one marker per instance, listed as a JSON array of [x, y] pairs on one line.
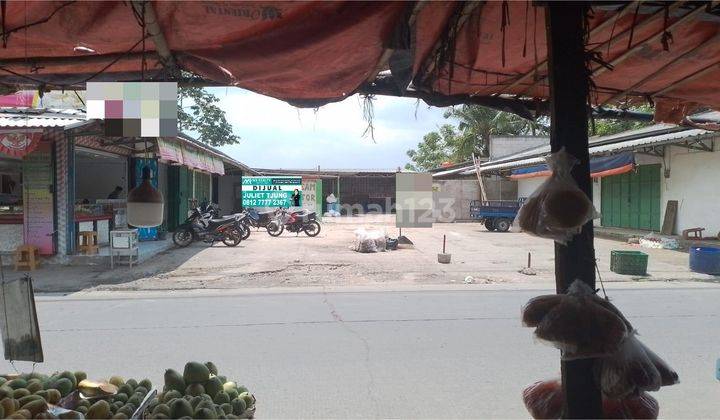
[[568, 77]]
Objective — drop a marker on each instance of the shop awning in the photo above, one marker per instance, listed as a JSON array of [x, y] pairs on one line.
[[600, 166], [170, 151], [190, 157]]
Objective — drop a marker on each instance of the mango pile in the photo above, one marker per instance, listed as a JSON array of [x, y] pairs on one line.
[[35, 396], [199, 393]]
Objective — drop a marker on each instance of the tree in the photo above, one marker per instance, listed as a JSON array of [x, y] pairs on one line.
[[475, 126], [433, 150], [198, 111], [607, 127]]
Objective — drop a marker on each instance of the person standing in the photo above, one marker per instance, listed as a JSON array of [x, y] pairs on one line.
[[296, 197]]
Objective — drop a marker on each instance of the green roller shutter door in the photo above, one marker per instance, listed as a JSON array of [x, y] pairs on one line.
[[632, 200]]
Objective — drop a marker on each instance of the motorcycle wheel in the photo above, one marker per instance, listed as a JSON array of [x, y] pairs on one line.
[[275, 229], [232, 237], [312, 228], [244, 232], [182, 237]]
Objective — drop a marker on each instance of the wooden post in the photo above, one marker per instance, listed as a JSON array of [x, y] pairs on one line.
[[568, 79]]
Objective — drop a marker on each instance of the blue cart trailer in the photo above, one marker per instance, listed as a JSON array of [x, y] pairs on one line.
[[496, 215]]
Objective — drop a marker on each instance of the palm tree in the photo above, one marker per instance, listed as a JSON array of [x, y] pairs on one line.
[[476, 124]]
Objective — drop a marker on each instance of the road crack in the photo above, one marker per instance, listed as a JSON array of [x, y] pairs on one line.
[[366, 345]]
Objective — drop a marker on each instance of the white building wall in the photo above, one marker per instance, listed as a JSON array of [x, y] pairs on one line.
[[693, 182], [504, 146]]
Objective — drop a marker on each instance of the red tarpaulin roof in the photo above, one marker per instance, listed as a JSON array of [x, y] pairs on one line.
[[325, 51]]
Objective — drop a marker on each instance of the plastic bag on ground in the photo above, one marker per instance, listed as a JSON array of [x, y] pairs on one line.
[[634, 368], [367, 241], [544, 400], [558, 208], [581, 326]]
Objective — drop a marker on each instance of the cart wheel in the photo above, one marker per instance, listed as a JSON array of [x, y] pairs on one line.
[[502, 225], [490, 224]]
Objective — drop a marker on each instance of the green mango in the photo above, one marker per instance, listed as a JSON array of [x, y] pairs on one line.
[[212, 368], [227, 408], [194, 390], [195, 372], [180, 408], [53, 396], [80, 375], [145, 383], [213, 386], [99, 410], [64, 385], [161, 409], [239, 406], [204, 413], [174, 381], [17, 383], [20, 392], [221, 398], [71, 377], [171, 395]]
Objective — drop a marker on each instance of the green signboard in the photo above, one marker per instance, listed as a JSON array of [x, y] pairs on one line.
[[272, 191]]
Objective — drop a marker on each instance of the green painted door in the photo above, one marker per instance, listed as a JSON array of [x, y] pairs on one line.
[[179, 183], [632, 200]]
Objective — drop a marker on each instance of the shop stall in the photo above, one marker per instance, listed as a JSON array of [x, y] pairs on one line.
[[26, 188], [101, 185], [11, 203]]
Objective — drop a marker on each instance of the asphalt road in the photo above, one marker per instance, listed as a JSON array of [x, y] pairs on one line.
[[413, 354]]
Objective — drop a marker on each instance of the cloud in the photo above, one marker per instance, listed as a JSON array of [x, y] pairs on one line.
[[277, 135]]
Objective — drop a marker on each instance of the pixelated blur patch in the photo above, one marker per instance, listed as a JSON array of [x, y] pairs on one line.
[[134, 109], [413, 200]]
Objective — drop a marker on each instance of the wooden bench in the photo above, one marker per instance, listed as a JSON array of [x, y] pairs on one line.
[[693, 233]]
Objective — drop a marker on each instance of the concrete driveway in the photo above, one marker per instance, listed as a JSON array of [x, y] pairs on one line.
[[326, 261]]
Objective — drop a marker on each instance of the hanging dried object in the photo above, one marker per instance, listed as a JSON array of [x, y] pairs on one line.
[[558, 208]]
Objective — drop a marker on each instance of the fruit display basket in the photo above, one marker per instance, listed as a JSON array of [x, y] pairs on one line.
[[200, 392]]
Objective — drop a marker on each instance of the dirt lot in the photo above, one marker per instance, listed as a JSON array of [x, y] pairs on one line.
[[326, 260]]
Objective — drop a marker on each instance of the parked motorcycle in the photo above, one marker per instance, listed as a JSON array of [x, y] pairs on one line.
[[211, 211], [200, 226], [296, 221], [259, 219]]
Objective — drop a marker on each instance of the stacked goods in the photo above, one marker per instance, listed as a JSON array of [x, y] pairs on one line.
[[584, 325], [198, 393], [69, 395], [201, 393], [558, 208]]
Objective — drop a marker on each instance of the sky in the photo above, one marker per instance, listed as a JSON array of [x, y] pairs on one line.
[[276, 135]]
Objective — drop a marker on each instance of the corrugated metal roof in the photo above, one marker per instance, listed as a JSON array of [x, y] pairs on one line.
[[629, 140], [43, 118]]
